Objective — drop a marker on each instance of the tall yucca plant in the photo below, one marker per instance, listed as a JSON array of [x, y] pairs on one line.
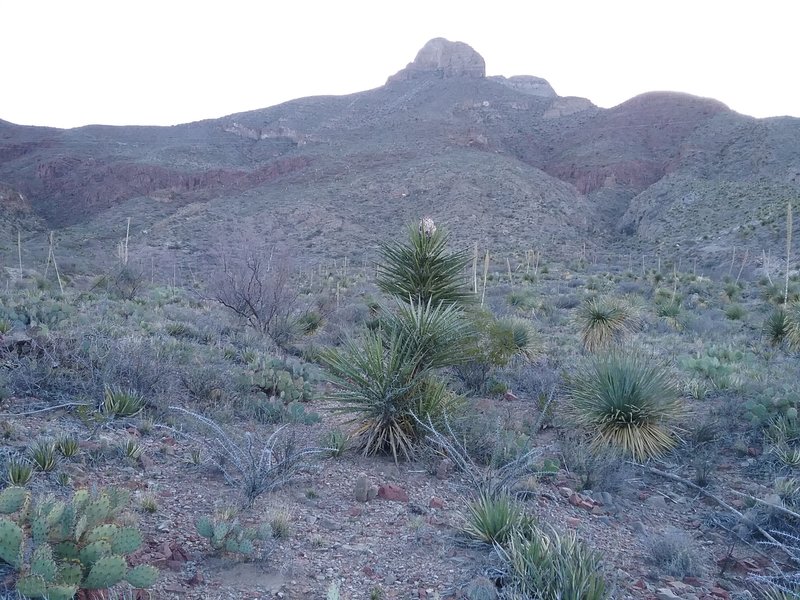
[[422, 270], [629, 402]]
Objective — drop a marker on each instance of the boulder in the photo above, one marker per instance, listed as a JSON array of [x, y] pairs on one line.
[[443, 59]]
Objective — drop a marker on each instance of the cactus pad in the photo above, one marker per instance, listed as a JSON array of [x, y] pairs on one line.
[[12, 499], [32, 586], [107, 571], [143, 576], [10, 543], [205, 527], [43, 565], [126, 541]]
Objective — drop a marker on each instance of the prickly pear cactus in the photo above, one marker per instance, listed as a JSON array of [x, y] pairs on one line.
[[11, 540], [12, 499], [76, 546]]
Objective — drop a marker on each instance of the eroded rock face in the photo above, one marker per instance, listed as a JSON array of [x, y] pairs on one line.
[[528, 84], [444, 59]]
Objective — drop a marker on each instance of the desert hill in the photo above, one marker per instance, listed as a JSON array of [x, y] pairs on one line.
[[504, 161]]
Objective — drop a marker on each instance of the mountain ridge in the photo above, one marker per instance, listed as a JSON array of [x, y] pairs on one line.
[[421, 139]]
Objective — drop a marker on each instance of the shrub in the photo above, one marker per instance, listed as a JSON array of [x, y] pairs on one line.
[[604, 322], [674, 554], [422, 270], [492, 519], [553, 567], [735, 312], [628, 403], [255, 467], [257, 287]]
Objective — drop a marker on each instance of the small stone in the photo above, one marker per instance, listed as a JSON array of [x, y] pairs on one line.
[[361, 491], [720, 593], [573, 521], [436, 503], [392, 493], [657, 501], [575, 499], [510, 396], [666, 594], [355, 511], [444, 468], [565, 491], [638, 527], [693, 581]]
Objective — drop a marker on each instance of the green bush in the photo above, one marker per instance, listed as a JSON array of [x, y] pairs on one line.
[[626, 402]]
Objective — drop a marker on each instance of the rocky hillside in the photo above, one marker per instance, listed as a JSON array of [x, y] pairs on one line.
[[503, 161]]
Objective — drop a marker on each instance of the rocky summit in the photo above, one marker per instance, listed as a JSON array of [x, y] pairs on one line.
[[443, 59]]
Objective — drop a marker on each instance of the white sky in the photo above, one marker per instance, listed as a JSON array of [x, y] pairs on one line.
[[67, 63]]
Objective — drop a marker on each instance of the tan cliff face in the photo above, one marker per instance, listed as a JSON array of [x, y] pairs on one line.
[[444, 59]]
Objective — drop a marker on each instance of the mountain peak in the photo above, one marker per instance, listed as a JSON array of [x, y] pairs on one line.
[[443, 59]]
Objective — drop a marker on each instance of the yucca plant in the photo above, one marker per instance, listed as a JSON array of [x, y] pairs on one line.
[[514, 337], [422, 270], [43, 454], [605, 321], [793, 325], [629, 402], [548, 566], [386, 378], [118, 402], [493, 519], [375, 382], [776, 326]]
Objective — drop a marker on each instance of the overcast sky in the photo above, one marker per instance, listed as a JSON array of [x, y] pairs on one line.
[[71, 63]]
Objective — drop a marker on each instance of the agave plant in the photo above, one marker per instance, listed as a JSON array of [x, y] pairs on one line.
[[604, 321], [422, 270], [493, 519], [628, 402]]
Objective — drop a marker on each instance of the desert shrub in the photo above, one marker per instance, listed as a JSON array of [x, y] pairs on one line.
[[493, 519], [675, 554], [422, 270], [254, 466], [627, 402], [735, 312], [522, 300], [599, 469], [549, 566], [605, 321], [257, 287]]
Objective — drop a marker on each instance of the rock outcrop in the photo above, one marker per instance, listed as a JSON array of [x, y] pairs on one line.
[[527, 84], [443, 59]]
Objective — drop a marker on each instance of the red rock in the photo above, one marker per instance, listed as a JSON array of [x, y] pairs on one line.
[[641, 584], [392, 492], [368, 571], [573, 521], [510, 396], [720, 593], [565, 491], [586, 505], [195, 579], [693, 581], [355, 511], [753, 451], [575, 500], [436, 502]]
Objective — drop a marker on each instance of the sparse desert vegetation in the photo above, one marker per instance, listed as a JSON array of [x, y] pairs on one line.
[[411, 443]]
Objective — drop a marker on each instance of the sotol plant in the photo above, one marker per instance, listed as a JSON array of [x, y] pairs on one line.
[[627, 402], [59, 548], [605, 321]]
